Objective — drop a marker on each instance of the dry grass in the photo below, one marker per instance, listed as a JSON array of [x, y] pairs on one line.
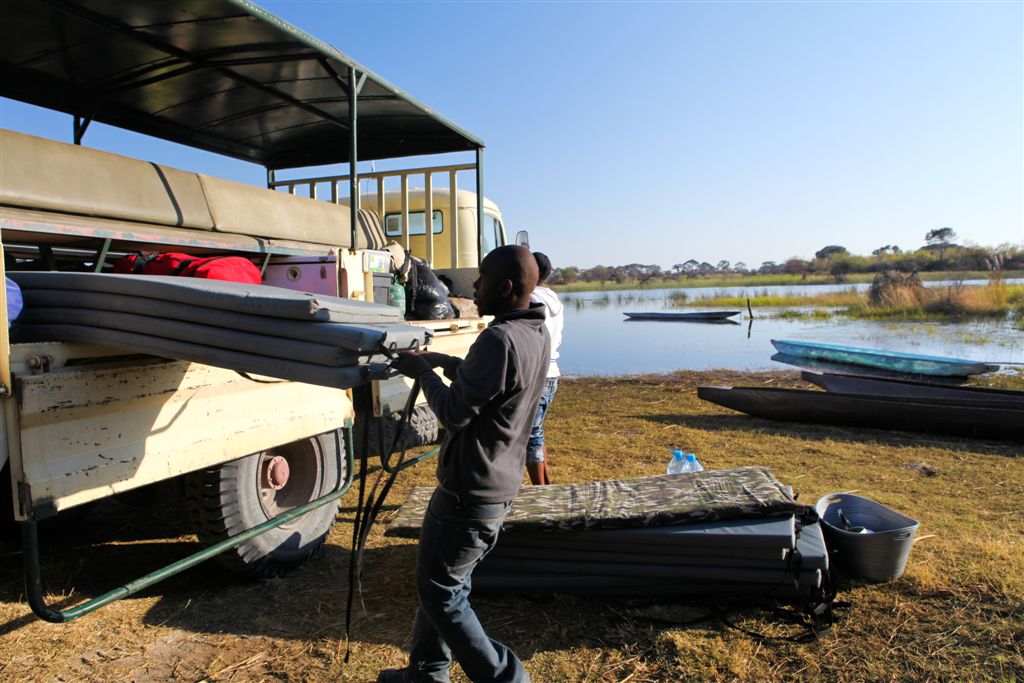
[[955, 614]]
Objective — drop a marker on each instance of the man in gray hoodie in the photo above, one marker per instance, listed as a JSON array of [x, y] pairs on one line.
[[487, 413]]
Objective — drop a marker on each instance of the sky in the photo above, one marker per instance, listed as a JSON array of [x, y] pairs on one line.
[[647, 132]]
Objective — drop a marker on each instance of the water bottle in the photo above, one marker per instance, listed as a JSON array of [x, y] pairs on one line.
[[692, 464], [677, 463]]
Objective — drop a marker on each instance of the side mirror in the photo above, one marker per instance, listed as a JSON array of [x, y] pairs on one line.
[[523, 239]]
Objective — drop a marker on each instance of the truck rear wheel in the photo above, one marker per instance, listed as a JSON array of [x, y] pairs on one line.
[[224, 501]]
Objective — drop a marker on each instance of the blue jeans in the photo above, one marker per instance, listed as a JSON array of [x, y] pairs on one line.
[[535, 446], [454, 538]]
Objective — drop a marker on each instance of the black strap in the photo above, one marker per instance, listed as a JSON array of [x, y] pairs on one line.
[[368, 507]]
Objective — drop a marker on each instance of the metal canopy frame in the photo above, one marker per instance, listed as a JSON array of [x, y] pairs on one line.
[[224, 76]]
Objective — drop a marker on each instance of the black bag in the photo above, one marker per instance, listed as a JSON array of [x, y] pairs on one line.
[[426, 296]]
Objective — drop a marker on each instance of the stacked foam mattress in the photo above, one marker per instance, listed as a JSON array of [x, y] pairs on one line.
[[733, 532], [255, 329]]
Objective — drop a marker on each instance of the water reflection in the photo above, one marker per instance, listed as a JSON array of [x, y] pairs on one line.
[[598, 340]]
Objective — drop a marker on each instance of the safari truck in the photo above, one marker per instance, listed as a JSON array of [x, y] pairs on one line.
[[260, 465]]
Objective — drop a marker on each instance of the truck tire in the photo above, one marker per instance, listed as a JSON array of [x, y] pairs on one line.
[[236, 496], [421, 430]]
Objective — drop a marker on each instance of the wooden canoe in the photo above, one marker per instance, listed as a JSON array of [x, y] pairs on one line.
[[978, 419], [908, 363], [879, 386], [689, 316]]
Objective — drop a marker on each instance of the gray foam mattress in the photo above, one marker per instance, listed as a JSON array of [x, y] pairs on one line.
[[323, 375], [207, 335], [231, 296], [356, 336], [620, 571]]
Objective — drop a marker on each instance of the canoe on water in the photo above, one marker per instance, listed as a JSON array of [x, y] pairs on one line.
[[692, 315], [907, 363], [980, 419], [879, 386]]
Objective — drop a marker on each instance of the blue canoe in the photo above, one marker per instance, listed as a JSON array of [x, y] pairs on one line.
[[908, 363]]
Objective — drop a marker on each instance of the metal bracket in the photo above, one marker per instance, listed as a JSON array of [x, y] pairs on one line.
[[40, 364]]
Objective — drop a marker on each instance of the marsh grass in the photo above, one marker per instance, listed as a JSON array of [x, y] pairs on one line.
[[956, 614], [947, 303]]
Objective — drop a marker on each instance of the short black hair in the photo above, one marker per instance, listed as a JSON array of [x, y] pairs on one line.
[[543, 265]]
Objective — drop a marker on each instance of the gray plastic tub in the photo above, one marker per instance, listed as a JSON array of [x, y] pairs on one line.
[[879, 545]]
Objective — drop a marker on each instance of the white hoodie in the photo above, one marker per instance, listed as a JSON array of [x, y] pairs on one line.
[[553, 320]]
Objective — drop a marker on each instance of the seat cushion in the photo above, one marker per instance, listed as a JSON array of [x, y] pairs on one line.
[[54, 176]]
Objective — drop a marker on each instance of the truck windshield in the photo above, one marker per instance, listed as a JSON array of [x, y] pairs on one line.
[[490, 234]]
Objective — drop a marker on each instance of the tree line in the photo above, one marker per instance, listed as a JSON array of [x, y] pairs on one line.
[[939, 253]]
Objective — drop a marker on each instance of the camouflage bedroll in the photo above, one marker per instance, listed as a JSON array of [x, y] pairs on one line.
[[711, 495]]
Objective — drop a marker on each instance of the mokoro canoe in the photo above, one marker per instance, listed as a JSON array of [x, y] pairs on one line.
[[692, 315], [842, 368], [908, 363], [878, 386], [977, 419]]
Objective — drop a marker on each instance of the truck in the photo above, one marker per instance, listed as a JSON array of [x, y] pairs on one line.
[[258, 465]]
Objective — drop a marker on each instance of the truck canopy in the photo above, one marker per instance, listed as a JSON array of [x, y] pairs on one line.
[[220, 75]]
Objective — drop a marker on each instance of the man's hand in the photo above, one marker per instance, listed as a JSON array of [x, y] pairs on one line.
[[412, 364]]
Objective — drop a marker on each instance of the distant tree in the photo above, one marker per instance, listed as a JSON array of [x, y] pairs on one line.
[[705, 268], [739, 267], [796, 266], [565, 275], [839, 268], [768, 267], [887, 249], [940, 239], [600, 273], [645, 274], [690, 267], [830, 251], [723, 266]]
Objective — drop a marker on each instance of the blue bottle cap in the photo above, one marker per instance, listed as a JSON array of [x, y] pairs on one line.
[[677, 454], [692, 457]]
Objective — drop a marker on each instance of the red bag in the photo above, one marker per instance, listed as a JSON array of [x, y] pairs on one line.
[[232, 268]]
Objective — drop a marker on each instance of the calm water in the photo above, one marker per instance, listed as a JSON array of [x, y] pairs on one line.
[[598, 340]]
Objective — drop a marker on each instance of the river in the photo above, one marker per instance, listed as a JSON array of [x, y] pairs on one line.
[[599, 340]]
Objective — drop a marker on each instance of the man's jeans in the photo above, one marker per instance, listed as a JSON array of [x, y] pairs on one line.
[[453, 539], [535, 446]]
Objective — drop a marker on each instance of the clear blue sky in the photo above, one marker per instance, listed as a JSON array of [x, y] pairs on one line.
[[660, 132]]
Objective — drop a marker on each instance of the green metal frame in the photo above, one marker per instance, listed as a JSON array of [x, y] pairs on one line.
[[33, 574]]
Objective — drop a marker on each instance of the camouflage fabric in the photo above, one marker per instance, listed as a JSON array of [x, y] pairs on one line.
[[741, 492]]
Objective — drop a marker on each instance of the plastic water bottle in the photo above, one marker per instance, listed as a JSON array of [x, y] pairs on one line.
[[692, 464], [677, 463]]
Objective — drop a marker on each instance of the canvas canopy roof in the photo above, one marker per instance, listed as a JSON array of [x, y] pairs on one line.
[[220, 75]]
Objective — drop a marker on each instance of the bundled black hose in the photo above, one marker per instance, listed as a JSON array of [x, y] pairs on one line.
[[368, 507]]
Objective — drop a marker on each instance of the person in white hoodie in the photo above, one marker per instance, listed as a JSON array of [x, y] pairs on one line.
[[536, 462]]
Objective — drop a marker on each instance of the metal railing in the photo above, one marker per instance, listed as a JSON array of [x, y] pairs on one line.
[[308, 187]]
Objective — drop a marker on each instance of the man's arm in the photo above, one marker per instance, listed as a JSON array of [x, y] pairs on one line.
[[413, 364], [478, 379]]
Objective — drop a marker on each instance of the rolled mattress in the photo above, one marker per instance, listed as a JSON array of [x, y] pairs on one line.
[[249, 328]]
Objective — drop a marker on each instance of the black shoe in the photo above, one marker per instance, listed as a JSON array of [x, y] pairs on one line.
[[394, 676]]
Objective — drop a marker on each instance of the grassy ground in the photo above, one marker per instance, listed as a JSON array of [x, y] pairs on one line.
[[764, 281], [956, 614]]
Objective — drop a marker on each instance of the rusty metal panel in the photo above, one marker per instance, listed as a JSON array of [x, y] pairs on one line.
[[87, 432]]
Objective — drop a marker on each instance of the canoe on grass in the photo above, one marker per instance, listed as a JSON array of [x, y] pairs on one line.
[[978, 419], [818, 365], [878, 386], [908, 363], [692, 315]]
